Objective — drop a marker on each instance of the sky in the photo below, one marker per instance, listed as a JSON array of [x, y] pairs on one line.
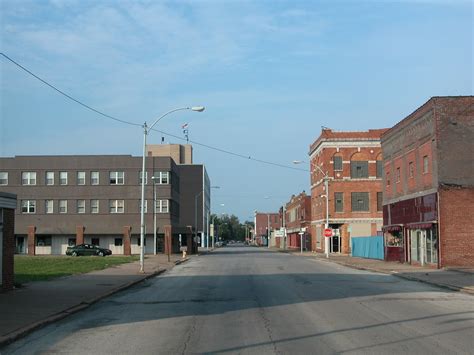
[[270, 74]]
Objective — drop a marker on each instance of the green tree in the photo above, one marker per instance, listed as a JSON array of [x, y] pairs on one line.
[[229, 227]]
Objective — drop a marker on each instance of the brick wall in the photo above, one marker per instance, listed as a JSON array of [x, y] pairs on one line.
[[456, 232], [8, 249], [262, 222]]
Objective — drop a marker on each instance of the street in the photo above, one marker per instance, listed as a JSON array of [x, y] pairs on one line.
[[250, 300]]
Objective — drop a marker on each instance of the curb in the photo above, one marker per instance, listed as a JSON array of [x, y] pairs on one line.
[[177, 262], [22, 332], [401, 276]]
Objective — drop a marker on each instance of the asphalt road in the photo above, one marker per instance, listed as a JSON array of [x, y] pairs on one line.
[[252, 301]]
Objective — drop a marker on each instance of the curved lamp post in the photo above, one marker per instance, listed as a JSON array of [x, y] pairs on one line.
[[146, 130]]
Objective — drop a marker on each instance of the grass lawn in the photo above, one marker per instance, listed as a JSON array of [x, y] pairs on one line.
[[39, 268]]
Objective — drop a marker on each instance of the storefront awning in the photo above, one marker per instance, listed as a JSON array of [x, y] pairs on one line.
[[392, 228], [421, 225]]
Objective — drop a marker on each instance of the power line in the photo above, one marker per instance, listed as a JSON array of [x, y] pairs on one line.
[[247, 157], [68, 96]]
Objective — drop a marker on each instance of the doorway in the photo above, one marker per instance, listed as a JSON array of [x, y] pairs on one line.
[[424, 246], [335, 244], [20, 245]]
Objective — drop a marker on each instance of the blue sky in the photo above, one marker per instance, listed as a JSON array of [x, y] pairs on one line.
[[270, 74]]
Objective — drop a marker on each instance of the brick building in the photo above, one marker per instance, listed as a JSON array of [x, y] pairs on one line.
[[353, 164], [7, 240], [428, 204], [298, 220], [265, 223], [95, 199]]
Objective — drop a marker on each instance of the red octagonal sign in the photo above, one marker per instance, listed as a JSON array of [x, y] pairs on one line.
[[328, 232]]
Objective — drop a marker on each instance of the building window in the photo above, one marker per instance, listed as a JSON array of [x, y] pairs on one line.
[[63, 178], [81, 206], [94, 178], [162, 206], [3, 178], [117, 177], [339, 201], [359, 169], [50, 178], [379, 201], [425, 164], [337, 162], [95, 241], [49, 206], [94, 206], [62, 206], [43, 241], [81, 177], [140, 174], [116, 206], [140, 206], [398, 175], [28, 206], [162, 177], [388, 179], [28, 178], [360, 201], [118, 242], [379, 169], [71, 242], [411, 169]]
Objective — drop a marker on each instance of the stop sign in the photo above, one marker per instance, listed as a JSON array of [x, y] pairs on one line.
[[328, 232]]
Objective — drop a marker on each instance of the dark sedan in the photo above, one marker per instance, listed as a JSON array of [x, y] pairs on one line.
[[87, 249]]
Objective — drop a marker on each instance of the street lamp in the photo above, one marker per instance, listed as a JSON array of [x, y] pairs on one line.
[[146, 130], [326, 187], [195, 209]]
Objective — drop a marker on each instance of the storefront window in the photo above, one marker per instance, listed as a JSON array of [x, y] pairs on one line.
[[394, 239]]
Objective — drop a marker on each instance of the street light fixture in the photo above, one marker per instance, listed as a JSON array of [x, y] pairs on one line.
[[146, 130], [326, 187]]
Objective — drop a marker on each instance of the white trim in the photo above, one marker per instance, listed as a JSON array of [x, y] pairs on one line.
[[345, 143]]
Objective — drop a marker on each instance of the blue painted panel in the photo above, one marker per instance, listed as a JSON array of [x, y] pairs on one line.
[[367, 247]]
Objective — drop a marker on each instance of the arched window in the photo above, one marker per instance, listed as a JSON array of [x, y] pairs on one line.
[[337, 162]]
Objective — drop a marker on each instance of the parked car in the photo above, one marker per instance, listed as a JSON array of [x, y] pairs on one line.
[[87, 249]]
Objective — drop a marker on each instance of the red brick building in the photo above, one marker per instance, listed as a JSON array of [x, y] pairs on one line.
[[264, 221], [353, 164], [298, 220], [7, 240], [428, 204]]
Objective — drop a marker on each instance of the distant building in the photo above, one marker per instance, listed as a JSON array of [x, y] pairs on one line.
[[298, 220], [95, 199], [428, 204], [265, 223], [353, 164]]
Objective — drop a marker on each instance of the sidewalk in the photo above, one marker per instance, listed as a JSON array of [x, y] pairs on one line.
[[39, 303], [454, 279]]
